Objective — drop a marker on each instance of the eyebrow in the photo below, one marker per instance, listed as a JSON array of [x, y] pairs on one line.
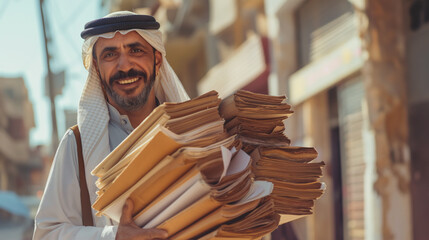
[[130, 45], [135, 44]]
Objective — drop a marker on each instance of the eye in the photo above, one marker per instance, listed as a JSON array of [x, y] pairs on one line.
[[109, 55], [137, 51]]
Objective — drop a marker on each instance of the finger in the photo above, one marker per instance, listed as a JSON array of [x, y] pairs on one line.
[[127, 211], [155, 233]]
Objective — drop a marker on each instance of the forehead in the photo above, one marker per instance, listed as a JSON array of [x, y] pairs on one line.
[[121, 40]]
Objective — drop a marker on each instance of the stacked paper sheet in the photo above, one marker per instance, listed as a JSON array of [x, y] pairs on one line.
[[257, 118]]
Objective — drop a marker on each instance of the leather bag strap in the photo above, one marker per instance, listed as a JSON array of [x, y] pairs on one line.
[[84, 193]]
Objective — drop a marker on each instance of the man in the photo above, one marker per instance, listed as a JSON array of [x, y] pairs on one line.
[[128, 77]]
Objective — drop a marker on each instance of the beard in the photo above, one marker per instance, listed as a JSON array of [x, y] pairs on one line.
[[129, 103]]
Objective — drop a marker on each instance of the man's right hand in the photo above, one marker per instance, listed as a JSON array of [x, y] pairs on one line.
[[128, 230]]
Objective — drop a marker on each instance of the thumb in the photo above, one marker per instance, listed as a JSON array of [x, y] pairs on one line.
[[127, 211]]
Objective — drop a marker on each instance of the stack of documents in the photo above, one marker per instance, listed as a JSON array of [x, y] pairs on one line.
[[192, 174], [295, 178], [257, 118]]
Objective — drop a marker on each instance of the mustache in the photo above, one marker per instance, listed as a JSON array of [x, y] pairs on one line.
[[130, 74]]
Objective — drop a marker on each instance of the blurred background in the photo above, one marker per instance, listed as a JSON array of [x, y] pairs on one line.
[[355, 71]]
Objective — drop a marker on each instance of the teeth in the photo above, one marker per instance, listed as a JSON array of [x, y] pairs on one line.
[[128, 81]]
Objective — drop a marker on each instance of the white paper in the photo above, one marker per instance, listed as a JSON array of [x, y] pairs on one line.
[[226, 157], [167, 200], [259, 189], [238, 163], [191, 195]]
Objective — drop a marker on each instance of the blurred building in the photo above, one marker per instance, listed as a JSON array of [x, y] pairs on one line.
[[354, 71], [19, 165], [323, 72], [358, 90], [417, 85], [70, 116]]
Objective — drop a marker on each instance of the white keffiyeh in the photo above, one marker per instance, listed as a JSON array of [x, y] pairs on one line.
[[93, 116]]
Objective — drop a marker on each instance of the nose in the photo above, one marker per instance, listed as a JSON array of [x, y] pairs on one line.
[[124, 63]]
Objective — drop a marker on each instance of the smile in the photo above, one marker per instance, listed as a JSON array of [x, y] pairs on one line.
[[128, 81]]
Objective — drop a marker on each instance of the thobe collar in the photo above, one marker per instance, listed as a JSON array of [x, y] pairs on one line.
[[121, 120]]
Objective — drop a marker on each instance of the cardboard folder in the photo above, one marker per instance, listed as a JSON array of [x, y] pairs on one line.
[[176, 188], [159, 116], [163, 143], [186, 226]]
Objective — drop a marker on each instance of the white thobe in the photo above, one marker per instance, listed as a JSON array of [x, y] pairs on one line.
[[59, 215]]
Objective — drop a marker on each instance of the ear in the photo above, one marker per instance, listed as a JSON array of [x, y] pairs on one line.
[[158, 60]]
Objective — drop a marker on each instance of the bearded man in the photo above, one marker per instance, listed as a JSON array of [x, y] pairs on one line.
[[128, 76]]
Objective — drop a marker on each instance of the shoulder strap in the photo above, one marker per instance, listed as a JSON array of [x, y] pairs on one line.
[[84, 193]]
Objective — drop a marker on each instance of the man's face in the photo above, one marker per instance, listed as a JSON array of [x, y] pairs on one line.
[[125, 64]]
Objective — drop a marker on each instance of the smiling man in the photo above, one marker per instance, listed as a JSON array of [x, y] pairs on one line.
[[128, 76], [127, 66]]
